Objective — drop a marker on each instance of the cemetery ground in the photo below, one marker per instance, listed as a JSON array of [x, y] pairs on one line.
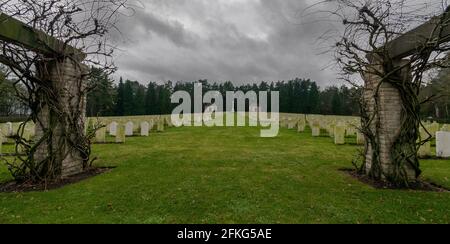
[[228, 175]]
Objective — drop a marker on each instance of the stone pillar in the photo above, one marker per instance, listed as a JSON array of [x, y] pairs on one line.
[[67, 82], [387, 117]]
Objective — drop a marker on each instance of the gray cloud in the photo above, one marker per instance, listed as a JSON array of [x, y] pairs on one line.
[[220, 40], [173, 30]]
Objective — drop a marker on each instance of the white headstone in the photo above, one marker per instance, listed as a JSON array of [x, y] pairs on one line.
[[100, 135], [301, 125], [315, 129], [9, 129], [360, 140], [1, 141], [89, 125], [160, 125], [291, 124], [339, 134], [331, 128], [210, 113], [129, 129], [136, 127], [168, 121], [285, 123], [26, 134], [445, 128], [151, 125], [86, 125], [144, 128], [15, 128], [433, 128], [198, 120], [443, 144], [3, 134], [425, 149], [120, 134], [32, 128], [253, 114], [113, 128]]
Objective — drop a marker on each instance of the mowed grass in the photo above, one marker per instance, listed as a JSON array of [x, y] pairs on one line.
[[228, 175]]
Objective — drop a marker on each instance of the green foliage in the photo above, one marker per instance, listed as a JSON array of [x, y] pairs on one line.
[[340, 101], [100, 99], [132, 98], [10, 104], [139, 101], [336, 104], [437, 92], [314, 99], [128, 98], [165, 91], [120, 99], [296, 96], [151, 99]]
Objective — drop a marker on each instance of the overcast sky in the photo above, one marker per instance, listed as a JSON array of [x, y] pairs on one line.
[[220, 40]]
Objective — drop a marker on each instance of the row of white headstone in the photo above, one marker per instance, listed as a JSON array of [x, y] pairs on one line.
[[118, 129], [121, 131], [442, 137], [340, 127], [337, 127], [9, 129]]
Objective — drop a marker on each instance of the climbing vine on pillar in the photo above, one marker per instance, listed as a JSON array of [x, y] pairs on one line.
[[49, 47]]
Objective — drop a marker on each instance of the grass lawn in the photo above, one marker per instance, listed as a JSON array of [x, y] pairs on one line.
[[228, 175]]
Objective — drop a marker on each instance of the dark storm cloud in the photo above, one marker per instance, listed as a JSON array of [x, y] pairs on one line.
[[220, 40], [151, 25]]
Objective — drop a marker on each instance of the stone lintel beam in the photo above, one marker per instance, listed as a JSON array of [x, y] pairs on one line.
[[18, 33]]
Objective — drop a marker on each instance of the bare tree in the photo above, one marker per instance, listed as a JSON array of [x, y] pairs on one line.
[[82, 28]]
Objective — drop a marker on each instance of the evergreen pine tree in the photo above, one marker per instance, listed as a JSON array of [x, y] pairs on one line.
[[120, 104]]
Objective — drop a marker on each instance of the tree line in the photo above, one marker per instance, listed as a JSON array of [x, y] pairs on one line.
[[11, 107], [133, 98], [435, 98], [127, 97]]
